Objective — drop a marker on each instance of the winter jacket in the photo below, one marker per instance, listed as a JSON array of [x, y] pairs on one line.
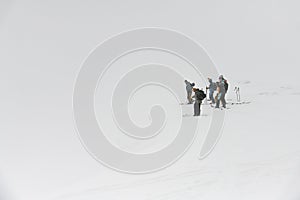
[[212, 86], [222, 87], [189, 86]]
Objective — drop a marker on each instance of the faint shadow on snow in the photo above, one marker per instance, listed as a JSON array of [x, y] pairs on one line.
[[276, 169], [295, 93], [284, 87], [268, 93], [206, 177], [244, 82], [197, 181]]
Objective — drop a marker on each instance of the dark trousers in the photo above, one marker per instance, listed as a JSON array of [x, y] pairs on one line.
[[197, 108], [211, 96]]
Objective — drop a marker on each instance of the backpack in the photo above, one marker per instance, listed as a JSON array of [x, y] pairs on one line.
[[201, 95], [226, 85]]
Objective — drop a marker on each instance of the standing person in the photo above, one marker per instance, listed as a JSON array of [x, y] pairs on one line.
[[199, 96], [226, 85], [212, 87], [221, 93], [189, 88]]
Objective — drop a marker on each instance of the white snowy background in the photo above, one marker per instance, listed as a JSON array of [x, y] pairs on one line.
[[255, 44]]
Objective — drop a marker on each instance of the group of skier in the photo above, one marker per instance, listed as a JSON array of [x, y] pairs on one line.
[[220, 87]]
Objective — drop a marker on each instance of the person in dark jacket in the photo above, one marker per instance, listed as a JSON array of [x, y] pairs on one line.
[[189, 88], [221, 93], [199, 96], [226, 85]]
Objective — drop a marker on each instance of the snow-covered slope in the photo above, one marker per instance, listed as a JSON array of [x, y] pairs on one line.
[[256, 158], [255, 44]]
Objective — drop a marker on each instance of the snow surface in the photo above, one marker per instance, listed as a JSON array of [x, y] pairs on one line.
[[255, 44]]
